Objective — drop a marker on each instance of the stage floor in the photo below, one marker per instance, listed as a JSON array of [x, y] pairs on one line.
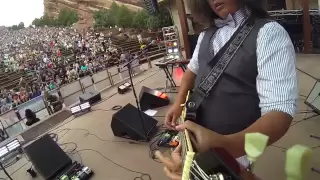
[[92, 132]]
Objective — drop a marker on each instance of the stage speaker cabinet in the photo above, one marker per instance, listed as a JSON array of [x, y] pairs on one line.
[[151, 6], [126, 123], [47, 157], [313, 99], [92, 97], [150, 99]]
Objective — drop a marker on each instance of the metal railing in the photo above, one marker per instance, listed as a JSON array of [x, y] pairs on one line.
[[13, 121]]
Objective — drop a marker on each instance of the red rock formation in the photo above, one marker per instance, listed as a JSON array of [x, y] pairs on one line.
[[85, 8]]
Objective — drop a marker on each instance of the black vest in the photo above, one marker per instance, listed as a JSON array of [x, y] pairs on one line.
[[233, 103]]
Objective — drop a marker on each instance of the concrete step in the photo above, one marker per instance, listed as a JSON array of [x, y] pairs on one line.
[[126, 45], [152, 57]]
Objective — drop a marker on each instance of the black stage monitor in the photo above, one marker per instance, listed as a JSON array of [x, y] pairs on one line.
[[150, 99], [127, 123], [47, 157]]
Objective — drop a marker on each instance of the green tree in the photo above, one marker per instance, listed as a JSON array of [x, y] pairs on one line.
[[103, 18], [45, 20], [165, 17], [17, 27], [114, 8], [66, 17], [140, 19], [154, 22], [21, 25], [97, 16], [124, 17]]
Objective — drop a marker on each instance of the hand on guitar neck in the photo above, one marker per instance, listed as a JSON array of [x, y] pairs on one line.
[[202, 138]]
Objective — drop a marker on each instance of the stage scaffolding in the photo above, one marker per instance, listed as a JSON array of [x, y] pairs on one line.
[[292, 21]]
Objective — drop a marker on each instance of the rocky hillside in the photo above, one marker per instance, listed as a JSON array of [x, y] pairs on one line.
[[85, 8]]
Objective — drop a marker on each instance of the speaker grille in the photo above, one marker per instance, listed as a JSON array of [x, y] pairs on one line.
[[151, 6]]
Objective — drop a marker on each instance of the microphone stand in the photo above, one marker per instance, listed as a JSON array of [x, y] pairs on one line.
[[317, 114], [128, 65]]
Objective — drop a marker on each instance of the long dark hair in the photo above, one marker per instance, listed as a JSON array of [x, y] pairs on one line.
[[202, 9], [256, 7], [30, 114]]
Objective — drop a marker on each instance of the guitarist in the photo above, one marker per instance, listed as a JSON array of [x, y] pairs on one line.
[[256, 92]]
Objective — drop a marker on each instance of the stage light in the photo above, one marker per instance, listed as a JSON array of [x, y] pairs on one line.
[[175, 50], [177, 57], [127, 84], [75, 109], [124, 88], [161, 95], [3, 151], [11, 146], [171, 56], [15, 144], [175, 44], [80, 109], [85, 106], [170, 51]]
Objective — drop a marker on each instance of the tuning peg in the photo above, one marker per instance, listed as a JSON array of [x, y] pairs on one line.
[[297, 160], [255, 144]]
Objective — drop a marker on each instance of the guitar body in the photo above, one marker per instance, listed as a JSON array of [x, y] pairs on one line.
[[218, 161], [215, 164]]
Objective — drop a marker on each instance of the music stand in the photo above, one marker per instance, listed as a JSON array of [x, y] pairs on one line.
[[313, 101]]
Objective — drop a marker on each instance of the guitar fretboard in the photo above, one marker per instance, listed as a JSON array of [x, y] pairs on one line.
[[187, 150]]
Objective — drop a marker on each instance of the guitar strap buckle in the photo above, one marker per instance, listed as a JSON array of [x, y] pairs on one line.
[[195, 100], [193, 104]]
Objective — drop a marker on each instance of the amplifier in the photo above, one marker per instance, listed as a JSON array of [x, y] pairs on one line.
[[123, 88], [91, 97]]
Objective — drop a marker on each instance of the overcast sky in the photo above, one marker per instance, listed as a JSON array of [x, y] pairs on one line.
[[14, 11]]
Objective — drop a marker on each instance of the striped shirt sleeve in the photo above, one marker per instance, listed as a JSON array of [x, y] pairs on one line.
[[277, 80], [193, 64]]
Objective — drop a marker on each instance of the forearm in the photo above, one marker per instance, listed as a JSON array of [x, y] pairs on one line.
[[187, 84], [273, 124]]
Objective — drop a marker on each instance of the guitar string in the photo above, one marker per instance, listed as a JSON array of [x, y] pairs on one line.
[[196, 171], [201, 171], [202, 174], [185, 149], [184, 143]]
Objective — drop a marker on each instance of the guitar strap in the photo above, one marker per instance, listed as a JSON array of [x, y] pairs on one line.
[[206, 85]]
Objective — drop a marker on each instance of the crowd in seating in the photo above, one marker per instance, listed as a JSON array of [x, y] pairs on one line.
[[53, 57]]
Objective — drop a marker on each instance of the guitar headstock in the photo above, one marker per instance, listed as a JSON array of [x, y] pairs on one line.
[[297, 160]]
